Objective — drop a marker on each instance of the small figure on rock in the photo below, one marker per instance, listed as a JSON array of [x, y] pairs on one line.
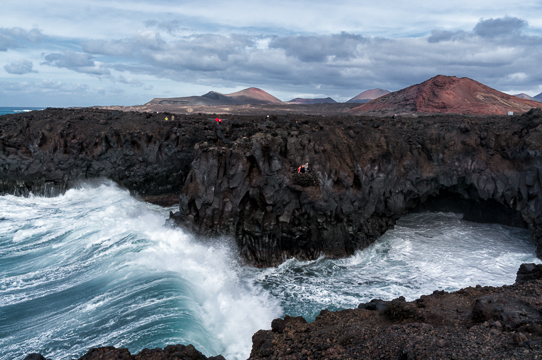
[[166, 118], [303, 169]]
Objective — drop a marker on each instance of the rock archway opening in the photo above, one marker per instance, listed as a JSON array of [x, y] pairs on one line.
[[465, 201]]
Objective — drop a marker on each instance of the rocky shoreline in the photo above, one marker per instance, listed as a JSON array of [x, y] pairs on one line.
[[365, 173], [238, 178], [471, 323]]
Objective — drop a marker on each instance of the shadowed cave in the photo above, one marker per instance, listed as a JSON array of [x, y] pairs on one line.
[[467, 202]]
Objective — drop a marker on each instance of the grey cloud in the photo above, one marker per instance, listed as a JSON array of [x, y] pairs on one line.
[[443, 35], [141, 42], [46, 85], [16, 37], [76, 61], [289, 62], [132, 82], [171, 27], [19, 67], [500, 27], [318, 48]]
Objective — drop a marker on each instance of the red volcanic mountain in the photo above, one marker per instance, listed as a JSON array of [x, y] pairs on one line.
[[327, 100], [368, 95], [252, 96], [448, 94]]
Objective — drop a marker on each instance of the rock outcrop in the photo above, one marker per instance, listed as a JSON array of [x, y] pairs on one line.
[[239, 178], [47, 152], [170, 352], [471, 323], [370, 172], [448, 94]]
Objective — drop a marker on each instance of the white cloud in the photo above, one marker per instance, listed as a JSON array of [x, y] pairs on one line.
[[19, 67]]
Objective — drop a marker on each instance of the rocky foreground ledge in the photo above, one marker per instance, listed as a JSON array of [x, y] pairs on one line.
[[472, 323]]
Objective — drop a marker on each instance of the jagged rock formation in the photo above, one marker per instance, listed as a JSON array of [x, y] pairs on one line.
[[448, 94], [238, 178], [170, 352], [471, 323], [370, 171], [47, 152]]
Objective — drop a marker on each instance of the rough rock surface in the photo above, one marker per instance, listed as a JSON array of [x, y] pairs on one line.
[[239, 178], [46, 152], [448, 94], [370, 172], [472, 323], [170, 352]]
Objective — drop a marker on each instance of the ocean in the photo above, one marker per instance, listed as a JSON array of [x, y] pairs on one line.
[[98, 267], [20, 109]]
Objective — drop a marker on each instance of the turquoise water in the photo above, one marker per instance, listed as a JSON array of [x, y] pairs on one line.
[[96, 267], [14, 110]]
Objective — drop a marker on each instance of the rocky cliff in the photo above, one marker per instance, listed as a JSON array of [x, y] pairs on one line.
[[365, 173], [238, 178], [47, 152]]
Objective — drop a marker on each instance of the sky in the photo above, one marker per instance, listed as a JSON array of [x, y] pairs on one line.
[[114, 52]]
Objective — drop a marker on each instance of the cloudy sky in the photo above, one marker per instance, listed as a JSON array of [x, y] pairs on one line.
[[117, 52]]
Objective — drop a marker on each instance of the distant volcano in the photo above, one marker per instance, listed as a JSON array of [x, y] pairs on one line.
[[327, 100], [368, 95], [538, 97], [250, 96], [448, 94], [525, 96]]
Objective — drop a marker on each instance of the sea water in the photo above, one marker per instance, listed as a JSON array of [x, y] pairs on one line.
[[97, 267], [15, 110]]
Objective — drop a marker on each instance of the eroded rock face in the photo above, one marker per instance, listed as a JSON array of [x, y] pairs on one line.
[[370, 172], [47, 152]]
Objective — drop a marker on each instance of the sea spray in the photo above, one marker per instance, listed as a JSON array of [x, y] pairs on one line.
[[95, 267], [423, 253]]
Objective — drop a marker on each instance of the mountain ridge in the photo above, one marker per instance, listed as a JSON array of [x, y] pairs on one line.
[[448, 94]]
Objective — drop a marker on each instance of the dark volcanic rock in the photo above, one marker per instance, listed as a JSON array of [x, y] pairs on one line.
[[529, 272], [46, 152], [367, 172], [472, 323], [170, 352], [239, 178]]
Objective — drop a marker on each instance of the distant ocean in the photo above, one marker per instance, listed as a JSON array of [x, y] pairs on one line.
[[19, 109]]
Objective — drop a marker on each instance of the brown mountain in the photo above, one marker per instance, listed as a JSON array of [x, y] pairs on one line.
[[253, 96], [525, 96], [327, 100], [250, 96], [368, 95], [448, 94]]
